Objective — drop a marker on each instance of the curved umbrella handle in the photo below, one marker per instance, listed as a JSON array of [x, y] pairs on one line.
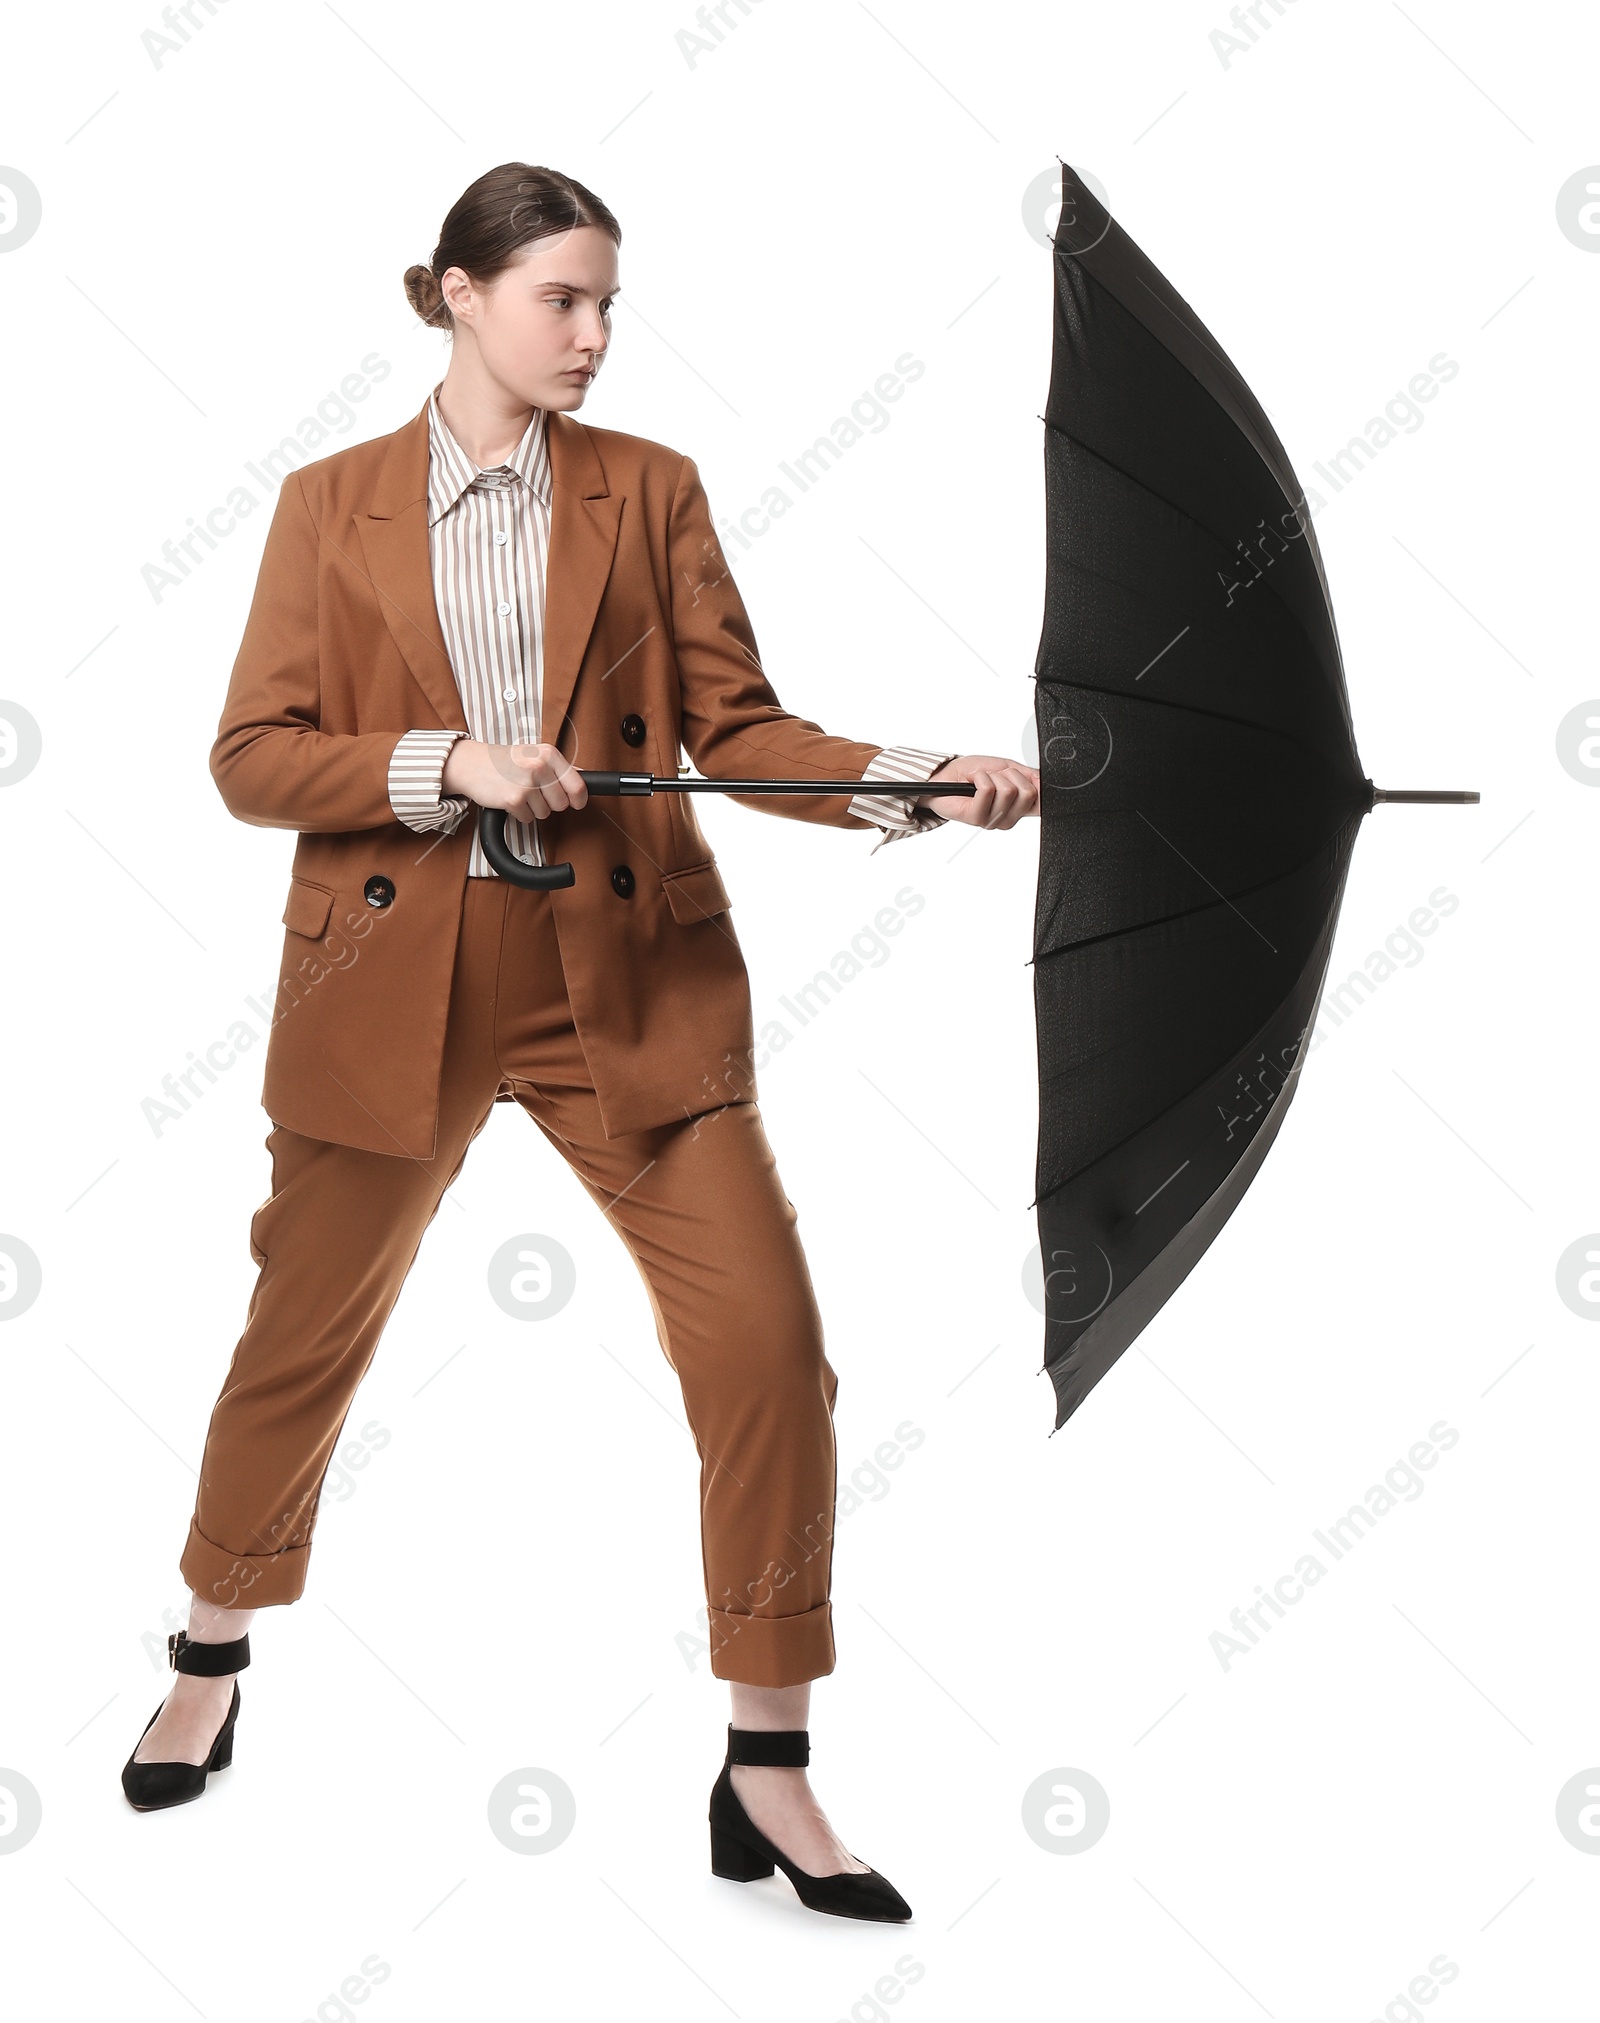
[[532, 877]]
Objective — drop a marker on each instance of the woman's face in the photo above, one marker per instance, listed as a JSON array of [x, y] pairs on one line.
[[543, 326]]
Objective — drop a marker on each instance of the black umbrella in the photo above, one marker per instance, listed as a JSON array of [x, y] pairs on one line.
[[1200, 795]]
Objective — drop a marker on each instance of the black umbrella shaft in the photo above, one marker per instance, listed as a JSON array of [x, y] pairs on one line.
[[547, 877], [669, 783]]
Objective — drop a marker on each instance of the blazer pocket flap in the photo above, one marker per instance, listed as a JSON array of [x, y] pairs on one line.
[[308, 908], [697, 893]]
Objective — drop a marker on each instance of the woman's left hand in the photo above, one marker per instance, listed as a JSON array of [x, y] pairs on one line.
[[1007, 790]]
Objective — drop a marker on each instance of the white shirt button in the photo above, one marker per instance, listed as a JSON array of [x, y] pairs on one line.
[[502, 608], [510, 694], [501, 539]]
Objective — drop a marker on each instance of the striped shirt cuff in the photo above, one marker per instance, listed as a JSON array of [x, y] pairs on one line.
[[896, 814], [416, 776]]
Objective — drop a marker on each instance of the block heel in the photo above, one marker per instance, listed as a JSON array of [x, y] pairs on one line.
[[735, 1862]]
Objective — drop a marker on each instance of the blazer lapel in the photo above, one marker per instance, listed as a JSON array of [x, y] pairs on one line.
[[584, 517], [393, 533]]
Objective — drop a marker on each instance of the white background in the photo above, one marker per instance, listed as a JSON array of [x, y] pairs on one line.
[[512, 1580]]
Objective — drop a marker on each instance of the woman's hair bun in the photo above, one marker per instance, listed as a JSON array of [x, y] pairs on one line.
[[426, 298]]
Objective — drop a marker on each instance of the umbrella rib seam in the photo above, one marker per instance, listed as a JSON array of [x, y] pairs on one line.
[[1128, 1136], [1188, 912], [1183, 513], [1193, 709]]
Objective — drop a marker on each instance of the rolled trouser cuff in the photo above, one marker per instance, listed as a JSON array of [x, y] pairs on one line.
[[754, 1650], [242, 1580]]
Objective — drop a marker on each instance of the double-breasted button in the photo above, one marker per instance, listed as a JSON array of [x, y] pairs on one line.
[[633, 729], [378, 890], [622, 881]]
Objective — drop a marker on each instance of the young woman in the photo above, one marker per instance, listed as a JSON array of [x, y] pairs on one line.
[[449, 618]]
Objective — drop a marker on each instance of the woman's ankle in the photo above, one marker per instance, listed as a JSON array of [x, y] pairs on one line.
[[211, 1624], [769, 1708]]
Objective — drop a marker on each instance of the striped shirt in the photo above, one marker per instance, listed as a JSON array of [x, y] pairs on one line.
[[488, 544]]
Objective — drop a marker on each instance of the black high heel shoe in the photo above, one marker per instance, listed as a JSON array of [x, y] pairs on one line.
[[149, 1786], [742, 1853]]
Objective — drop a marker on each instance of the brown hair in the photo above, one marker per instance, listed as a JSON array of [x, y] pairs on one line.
[[492, 220]]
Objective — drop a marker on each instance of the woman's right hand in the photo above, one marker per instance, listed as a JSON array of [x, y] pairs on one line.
[[528, 781]]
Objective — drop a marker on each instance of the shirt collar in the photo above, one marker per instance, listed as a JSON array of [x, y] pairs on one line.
[[451, 471]]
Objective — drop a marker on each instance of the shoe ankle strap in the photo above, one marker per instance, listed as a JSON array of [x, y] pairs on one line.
[[789, 1748], [207, 1661]]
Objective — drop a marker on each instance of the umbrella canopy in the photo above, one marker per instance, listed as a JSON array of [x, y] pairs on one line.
[[1200, 795]]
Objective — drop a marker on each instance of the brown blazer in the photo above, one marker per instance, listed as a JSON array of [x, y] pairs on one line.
[[342, 652]]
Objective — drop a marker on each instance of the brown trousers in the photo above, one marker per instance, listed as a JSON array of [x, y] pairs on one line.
[[702, 1211]]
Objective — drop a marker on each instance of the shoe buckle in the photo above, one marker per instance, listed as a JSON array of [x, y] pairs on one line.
[[175, 1643]]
